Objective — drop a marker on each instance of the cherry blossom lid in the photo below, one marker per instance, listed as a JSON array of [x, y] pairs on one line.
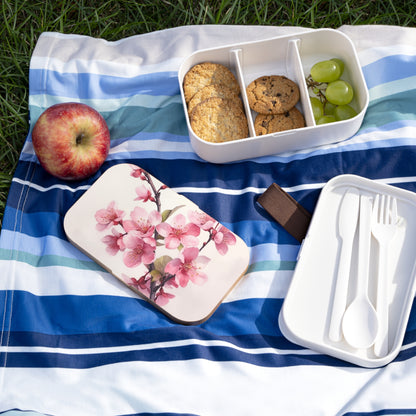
[[157, 242]]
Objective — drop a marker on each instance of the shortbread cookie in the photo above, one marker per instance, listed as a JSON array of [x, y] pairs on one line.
[[272, 94], [213, 90], [219, 120], [206, 73], [272, 123]]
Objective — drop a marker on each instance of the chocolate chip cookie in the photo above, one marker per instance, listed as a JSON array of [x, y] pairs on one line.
[[272, 123], [272, 94]]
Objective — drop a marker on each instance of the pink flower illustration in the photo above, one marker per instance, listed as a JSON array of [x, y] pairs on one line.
[[144, 194], [223, 238], [202, 220], [141, 250], [142, 221], [138, 173], [114, 242], [188, 267], [108, 216], [142, 284], [136, 238], [180, 232], [162, 297]]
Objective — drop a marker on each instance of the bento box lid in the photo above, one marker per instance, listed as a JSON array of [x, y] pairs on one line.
[[157, 242]]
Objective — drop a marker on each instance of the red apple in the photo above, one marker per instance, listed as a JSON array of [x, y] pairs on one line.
[[71, 140]]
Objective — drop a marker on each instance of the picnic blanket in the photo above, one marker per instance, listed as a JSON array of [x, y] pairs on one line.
[[75, 341]]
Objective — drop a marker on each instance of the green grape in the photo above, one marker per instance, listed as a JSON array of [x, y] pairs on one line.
[[340, 63], [344, 112], [326, 119], [339, 92], [325, 71], [329, 109], [317, 108]]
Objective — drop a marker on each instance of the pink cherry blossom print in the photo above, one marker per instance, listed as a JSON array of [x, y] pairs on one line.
[[108, 216], [140, 250], [180, 232], [202, 220], [162, 246], [142, 221], [138, 173], [162, 297], [144, 194], [188, 267], [142, 284], [223, 238], [114, 242]]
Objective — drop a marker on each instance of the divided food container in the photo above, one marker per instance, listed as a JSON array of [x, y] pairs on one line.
[[313, 300], [292, 56]]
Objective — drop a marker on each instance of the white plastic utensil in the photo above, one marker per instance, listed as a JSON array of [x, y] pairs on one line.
[[360, 321], [383, 227], [347, 224]]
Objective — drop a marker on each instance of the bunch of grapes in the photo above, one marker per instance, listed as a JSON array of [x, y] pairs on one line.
[[330, 95]]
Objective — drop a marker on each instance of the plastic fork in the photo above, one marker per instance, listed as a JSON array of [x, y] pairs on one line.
[[383, 228]]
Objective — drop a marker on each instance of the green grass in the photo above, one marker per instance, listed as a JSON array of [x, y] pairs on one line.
[[24, 20]]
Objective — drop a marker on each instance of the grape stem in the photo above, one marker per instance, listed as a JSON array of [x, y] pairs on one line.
[[317, 88]]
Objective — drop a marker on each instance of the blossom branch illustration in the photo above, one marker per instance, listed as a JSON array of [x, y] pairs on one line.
[[138, 236]]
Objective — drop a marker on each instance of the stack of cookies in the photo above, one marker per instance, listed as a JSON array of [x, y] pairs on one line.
[[273, 98], [214, 107]]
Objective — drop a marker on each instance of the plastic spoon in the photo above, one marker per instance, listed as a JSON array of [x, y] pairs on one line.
[[347, 224], [360, 322]]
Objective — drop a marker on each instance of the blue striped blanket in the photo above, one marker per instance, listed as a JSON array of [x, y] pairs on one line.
[[75, 341]]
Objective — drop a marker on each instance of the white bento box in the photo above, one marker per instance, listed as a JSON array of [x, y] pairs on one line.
[[315, 300], [292, 56]]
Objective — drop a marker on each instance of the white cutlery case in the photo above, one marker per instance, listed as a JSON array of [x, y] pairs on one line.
[[309, 304]]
